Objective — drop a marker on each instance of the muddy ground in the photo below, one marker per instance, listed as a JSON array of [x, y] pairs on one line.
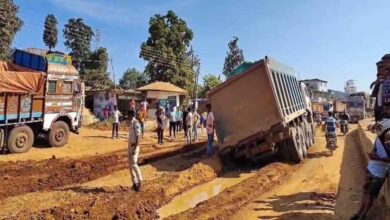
[[97, 185]]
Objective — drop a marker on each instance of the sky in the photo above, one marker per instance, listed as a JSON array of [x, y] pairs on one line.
[[332, 40]]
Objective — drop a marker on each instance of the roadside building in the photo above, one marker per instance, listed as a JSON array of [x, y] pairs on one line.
[[162, 93], [318, 89], [99, 101]]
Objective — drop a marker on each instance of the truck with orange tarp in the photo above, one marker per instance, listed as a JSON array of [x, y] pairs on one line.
[[39, 95]]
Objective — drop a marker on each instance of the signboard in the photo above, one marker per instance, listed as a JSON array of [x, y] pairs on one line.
[[54, 58]]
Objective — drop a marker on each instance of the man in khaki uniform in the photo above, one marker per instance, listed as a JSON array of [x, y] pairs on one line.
[[133, 151]]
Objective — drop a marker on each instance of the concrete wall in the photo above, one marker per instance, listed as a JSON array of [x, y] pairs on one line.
[[367, 141]]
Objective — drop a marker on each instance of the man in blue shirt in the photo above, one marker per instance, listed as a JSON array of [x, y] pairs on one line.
[[377, 169], [172, 122], [331, 125]]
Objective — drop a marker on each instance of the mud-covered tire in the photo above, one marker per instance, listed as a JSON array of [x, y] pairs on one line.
[[20, 139], [303, 141], [294, 147], [59, 134]]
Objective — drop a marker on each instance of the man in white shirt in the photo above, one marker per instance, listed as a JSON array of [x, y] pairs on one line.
[[189, 124], [210, 130], [115, 125], [133, 151]]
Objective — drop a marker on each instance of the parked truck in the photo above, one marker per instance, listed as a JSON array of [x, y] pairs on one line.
[[339, 106], [39, 95], [263, 111]]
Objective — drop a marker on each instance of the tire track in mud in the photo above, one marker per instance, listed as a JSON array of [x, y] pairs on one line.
[[230, 200], [31, 176], [122, 203]]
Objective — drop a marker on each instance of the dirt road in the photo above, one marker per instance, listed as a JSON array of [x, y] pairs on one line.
[[97, 185], [323, 187]]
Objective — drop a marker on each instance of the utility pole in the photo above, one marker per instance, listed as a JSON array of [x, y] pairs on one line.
[[113, 72], [97, 39]]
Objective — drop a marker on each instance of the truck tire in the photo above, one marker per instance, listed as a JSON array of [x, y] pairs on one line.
[[20, 139], [59, 134], [294, 146], [303, 141]]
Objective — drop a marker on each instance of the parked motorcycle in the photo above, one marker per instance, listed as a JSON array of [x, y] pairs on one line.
[[331, 141], [344, 127]]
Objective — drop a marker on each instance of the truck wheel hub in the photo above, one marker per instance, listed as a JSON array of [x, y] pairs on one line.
[[59, 135], [21, 140]]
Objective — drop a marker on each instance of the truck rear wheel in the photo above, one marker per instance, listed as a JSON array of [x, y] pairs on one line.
[[303, 141], [59, 134], [295, 146], [20, 139]]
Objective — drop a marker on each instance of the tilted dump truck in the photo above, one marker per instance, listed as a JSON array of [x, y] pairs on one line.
[[39, 95], [261, 112]]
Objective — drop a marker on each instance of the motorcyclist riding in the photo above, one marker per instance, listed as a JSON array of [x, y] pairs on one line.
[[345, 117], [331, 125]]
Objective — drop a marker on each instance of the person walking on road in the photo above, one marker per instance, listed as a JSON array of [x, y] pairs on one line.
[[172, 123], [160, 125], [210, 126], [115, 125], [133, 152], [377, 169], [196, 121], [189, 124]]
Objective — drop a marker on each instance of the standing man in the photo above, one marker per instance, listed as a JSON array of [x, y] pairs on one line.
[[172, 122], [179, 120], [377, 169], [189, 123], [141, 117], [115, 124], [210, 130], [133, 152], [132, 105], [160, 116], [196, 120], [185, 114]]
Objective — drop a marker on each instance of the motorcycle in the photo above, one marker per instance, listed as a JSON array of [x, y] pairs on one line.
[[331, 141], [344, 127]]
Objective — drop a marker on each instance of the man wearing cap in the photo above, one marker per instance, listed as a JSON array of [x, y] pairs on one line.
[[133, 151], [377, 169]]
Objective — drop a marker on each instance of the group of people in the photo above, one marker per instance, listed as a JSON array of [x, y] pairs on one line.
[[378, 168], [188, 121]]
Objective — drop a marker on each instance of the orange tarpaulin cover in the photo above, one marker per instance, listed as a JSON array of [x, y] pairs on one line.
[[17, 79]]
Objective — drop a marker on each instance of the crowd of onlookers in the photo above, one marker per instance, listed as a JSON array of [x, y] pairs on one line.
[[180, 120], [378, 168]]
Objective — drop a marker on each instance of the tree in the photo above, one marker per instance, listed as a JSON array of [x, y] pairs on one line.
[[165, 50], [234, 57], [50, 32], [78, 38], [210, 81], [94, 71], [133, 79], [10, 24]]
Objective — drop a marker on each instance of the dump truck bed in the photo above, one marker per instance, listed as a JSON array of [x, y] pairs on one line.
[[264, 95]]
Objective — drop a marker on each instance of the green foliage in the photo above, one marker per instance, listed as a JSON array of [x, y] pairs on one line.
[[10, 24], [165, 50], [133, 79], [94, 71], [210, 81], [50, 32], [234, 58], [78, 38]]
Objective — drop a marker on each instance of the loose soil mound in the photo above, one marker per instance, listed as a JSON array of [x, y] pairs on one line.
[[122, 203]]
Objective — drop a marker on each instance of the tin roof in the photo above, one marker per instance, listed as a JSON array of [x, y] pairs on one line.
[[162, 86]]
